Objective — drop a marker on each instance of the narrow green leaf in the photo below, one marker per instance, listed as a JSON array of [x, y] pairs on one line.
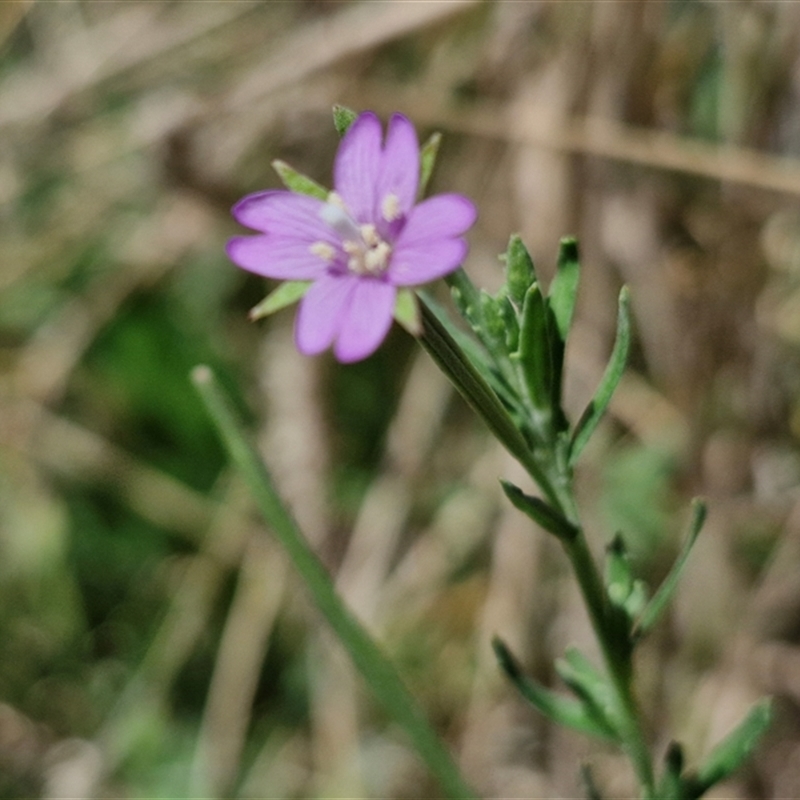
[[663, 595], [428, 154], [540, 512], [534, 355], [611, 378], [471, 384], [297, 182], [732, 751], [520, 272], [343, 118], [564, 286], [592, 689], [562, 710], [287, 293], [406, 312]]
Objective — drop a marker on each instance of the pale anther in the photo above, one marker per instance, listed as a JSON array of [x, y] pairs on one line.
[[390, 208], [370, 235], [324, 250]]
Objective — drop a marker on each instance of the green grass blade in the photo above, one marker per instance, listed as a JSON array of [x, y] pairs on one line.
[[376, 669]]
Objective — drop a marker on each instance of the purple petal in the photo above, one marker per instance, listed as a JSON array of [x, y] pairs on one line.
[[322, 312], [285, 213], [422, 261], [399, 173], [443, 216], [276, 257], [367, 320], [357, 166]]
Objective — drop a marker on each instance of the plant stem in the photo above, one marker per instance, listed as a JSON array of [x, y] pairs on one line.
[[374, 666]]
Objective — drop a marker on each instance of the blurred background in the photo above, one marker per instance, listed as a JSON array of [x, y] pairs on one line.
[[154, 643]]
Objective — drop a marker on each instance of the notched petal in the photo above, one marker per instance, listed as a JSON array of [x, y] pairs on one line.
[[399, 175], [276, 257], [284, 213], [440, 217], [421, 262], [367, 320], [357, 166]]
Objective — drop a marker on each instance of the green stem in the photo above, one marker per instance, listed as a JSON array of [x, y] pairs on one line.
[[618, 664], [375, 667], [554, 477]]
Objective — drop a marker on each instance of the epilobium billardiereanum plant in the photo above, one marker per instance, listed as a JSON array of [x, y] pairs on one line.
[[350, 255]]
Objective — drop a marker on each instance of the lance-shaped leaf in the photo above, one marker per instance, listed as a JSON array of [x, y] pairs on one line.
[[427, 155], [343, 118], [611, 378], [561, 299], [731, 752], [297, 182], [520, 273], [592, 688], [663, 595], [540, 512], [473, 387], [534, 356], [287, 293], [562, 710], [564, 287]]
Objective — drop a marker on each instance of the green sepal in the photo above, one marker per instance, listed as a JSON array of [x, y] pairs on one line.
[[563, 290], [653, 610], [731, 752], [427, 160], [286, 294], [540, 512], [343, 118], [297, 182], [592, 689], [611, 378], [671, 786], [520, 273], [407, 313], [560, 709], [534, 356]]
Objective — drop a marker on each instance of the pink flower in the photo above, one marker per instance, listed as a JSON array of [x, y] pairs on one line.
[[367, 240]]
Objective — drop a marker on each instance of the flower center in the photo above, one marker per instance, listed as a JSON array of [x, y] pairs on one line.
[[367, 252]]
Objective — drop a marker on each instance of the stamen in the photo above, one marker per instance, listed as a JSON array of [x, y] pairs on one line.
[[370, 235], [324, 250], [390, 208]]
